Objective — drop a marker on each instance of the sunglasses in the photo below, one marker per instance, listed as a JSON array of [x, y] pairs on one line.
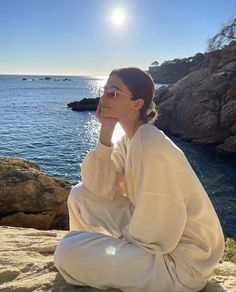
[[110, 92]]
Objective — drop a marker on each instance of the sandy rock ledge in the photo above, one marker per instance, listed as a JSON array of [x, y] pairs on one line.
[[26, 264]]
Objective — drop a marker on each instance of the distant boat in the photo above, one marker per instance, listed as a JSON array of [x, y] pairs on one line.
[[28, 79]]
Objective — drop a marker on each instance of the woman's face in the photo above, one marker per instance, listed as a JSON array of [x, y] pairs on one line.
[[120, 106]]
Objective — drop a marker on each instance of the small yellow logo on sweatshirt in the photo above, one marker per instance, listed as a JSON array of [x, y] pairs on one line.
[[131, 181], [120, 182]]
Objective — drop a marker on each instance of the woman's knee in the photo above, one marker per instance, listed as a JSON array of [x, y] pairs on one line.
[[71, 248], [60, 255], [76, 192]]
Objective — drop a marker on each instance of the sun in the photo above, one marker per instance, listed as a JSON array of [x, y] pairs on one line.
[[118, 17]]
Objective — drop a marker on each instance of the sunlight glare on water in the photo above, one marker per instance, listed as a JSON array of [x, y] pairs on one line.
[[94, 85]]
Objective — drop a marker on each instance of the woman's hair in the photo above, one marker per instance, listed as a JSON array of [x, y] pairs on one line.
[[141, 85]]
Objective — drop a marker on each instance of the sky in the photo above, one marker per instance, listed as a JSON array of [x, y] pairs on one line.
[[80, 37]]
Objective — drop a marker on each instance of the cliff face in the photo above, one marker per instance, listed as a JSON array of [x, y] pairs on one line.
[[30, 197], [201, 106]]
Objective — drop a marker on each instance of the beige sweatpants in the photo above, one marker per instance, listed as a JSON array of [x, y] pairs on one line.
[[93, 253]]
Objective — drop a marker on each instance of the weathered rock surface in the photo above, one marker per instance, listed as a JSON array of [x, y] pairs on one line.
[[86, 104], [30, 197], [26, 264], [201, 106]]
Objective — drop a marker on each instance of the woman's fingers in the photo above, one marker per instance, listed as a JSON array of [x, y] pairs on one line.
[[98, 110], [102, 119]]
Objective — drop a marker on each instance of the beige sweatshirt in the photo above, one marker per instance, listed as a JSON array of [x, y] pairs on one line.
[[173, 214]]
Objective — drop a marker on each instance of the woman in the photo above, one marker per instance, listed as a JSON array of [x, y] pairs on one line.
[[140, 220]]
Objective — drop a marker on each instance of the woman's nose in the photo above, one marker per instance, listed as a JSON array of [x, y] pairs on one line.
[[103, 98]]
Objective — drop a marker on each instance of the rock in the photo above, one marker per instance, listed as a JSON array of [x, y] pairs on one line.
[[26, 264], [72, 104], [227, 113], [201, 107], [224, 278], [28, 79], [30, 197], [47, 78], [26, 261], [43, 220], [229, 145], [86, 104]]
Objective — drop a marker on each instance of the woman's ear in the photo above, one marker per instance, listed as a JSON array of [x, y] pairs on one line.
[[138, 104]]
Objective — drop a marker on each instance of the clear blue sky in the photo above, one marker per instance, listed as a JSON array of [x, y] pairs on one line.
[[78, 37]]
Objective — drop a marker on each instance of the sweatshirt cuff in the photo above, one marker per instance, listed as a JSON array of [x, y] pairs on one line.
[[103, 151]]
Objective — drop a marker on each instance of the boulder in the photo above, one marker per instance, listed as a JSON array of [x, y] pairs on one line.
[[30, 197], [86, 104], [26, 264]]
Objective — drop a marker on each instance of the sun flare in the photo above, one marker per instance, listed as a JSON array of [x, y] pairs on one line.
[[118, 17]]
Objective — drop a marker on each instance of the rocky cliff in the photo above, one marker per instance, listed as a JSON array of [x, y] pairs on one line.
[[30, 197], [201, 106]]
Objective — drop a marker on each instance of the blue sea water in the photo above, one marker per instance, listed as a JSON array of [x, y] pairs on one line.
[[36, 124]]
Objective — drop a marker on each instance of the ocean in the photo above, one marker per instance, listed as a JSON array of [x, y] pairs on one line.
[[37, 125]]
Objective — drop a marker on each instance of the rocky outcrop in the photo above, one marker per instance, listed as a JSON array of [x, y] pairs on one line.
[[173, 70], [86, 104], [26, 264], [201, 106], [30, 197]]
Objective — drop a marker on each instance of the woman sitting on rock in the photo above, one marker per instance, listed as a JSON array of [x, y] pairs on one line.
[[140, 220]]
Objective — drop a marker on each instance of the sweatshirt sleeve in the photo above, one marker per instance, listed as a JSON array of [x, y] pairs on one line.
[[160, 215], [102, 169]]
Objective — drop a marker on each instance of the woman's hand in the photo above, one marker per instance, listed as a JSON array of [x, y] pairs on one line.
[[107, 128], [105, 121]]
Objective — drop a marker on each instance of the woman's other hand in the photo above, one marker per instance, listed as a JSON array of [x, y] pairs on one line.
[[107, 128], [105, 121]]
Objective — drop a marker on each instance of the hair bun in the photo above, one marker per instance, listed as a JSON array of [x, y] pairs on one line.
[[152, 113]]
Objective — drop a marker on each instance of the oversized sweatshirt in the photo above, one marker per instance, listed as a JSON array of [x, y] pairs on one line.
[[172, 211]]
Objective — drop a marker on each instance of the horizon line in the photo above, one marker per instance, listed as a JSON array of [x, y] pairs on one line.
[[29, 74]]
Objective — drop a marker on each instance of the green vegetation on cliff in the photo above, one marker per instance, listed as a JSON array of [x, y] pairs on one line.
[[230, 250]]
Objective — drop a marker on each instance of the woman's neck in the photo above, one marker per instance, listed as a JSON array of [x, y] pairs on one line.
[[131, 128]]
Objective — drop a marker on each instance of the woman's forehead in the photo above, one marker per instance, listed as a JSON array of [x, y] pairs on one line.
[[115, 82]]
